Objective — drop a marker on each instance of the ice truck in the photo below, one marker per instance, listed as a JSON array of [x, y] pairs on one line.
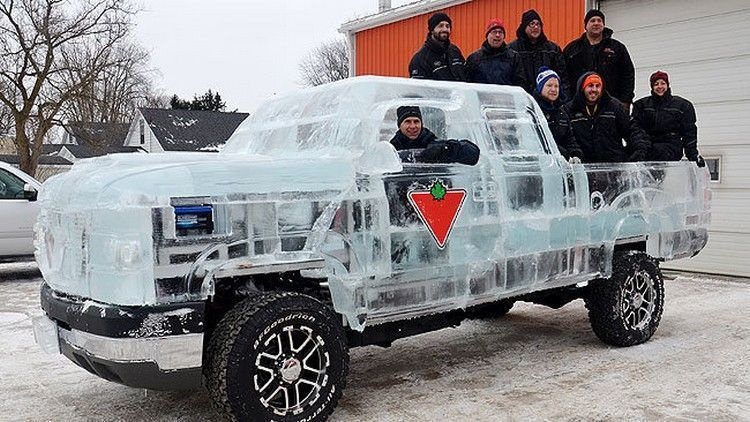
[[253, 271]]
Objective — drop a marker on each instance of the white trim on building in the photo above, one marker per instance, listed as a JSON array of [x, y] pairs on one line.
[[702, 46]]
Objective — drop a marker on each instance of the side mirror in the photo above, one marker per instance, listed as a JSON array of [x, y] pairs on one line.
[[29, 192]]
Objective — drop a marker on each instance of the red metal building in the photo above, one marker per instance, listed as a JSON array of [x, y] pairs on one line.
[[382, 44]]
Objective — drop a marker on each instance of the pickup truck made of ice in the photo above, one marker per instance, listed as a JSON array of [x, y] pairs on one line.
[[254, 270]]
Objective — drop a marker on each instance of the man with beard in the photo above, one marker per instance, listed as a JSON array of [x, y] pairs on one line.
[[438, 59], [596, 51], [536, 51], [494, 62], [411, 135], [601, 123], [669, 122]]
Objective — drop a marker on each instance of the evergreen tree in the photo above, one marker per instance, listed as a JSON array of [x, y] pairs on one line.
[[209, 101]]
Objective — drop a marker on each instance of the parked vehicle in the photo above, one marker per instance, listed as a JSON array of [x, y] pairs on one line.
[[256, 269], [18, 211]]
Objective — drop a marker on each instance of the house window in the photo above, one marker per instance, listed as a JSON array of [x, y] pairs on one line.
[[143, 133], [714, 168]]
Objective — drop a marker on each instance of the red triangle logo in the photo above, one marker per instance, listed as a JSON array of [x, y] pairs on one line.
[[438, 209]]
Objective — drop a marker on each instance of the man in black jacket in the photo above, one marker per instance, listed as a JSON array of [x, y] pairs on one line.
[[596, 51], [536, 51], [600, 123], [494, 62], [669, 122], [411, 135], [438, 59]]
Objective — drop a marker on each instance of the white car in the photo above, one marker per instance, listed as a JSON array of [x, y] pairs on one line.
[[19, 209]]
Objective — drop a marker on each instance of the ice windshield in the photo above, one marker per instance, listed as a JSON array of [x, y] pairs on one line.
[[348, 117]]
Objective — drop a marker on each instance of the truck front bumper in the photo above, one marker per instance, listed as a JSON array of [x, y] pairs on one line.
[[155, 347]]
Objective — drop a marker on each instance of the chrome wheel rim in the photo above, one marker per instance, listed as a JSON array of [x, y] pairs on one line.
[[291, 370], [638, 300]]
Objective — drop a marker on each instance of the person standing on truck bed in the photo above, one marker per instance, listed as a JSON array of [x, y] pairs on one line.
[[438, 59], [411, 135], [597, 51], [535, 51], [547, 95], [669, 122], [494, 62], [600, 124]]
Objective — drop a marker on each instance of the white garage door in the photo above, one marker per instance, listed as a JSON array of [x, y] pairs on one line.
[[705, 48]]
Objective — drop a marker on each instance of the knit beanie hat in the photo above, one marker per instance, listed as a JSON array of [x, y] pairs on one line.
[[494, 23], [591, 13], [659, 75], [529, 16], [544, 75], [590, 78], [404, 112], [435, 20]]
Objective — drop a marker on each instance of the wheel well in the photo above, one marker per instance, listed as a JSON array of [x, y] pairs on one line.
[[229, 292], [631, 246]]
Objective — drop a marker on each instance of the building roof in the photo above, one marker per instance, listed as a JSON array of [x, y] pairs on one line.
[[397, 14], [43, 159], [92, 139], [191, 130]]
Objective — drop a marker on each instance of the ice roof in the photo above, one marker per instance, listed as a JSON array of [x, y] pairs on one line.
[[351, 115]]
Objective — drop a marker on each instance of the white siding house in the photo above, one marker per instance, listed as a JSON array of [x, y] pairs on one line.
[[704, 47], [141, 135]]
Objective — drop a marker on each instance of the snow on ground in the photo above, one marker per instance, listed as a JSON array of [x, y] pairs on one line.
[[535, 364]]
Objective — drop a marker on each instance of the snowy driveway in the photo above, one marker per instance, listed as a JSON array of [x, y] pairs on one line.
[[536, 363]]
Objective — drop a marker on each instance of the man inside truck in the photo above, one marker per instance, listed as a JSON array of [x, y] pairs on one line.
[[420, 145]]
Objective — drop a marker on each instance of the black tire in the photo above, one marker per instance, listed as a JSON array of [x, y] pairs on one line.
[[625, 309], [491, 310], [277, 356]]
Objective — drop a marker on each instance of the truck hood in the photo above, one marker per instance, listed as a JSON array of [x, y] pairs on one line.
[[147, 180]]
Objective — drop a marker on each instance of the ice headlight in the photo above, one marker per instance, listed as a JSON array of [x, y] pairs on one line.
[[128, 253]]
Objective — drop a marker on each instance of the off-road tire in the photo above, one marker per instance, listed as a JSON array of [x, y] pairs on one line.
[[625, 309], [263, 331], [491, 310]]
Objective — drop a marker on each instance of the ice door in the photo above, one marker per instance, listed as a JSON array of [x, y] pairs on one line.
[[441, 235], [537, 235]]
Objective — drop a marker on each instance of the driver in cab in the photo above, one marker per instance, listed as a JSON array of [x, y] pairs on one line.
[[411, 135]]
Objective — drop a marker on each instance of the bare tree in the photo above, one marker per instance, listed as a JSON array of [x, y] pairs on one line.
[[326, 63], [49, 51], [113, 95]]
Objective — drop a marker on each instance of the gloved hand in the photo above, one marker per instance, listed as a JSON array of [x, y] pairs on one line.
[[699, 161], [639, 155], [434, 153], [574, 160]]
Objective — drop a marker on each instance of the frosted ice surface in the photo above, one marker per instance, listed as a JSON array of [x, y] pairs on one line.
[[310, 183]]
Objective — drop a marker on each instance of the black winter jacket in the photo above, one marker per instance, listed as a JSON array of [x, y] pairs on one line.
[[611, 60], [533, 56], [669, 122], [501, 66], [559, 124], [434, 150], [438, 61], [600, 134]]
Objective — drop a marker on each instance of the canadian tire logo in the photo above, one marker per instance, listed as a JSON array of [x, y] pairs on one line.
[[438, 209]]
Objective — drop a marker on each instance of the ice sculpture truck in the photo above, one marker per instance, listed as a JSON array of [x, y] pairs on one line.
[[254, 270]]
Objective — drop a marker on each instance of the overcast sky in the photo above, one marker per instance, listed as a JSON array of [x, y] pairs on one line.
[[247, 50]]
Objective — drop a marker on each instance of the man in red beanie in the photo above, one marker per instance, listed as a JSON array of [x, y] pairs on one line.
[[600, 124], [596, 51], [669, 122], [438, 59], [494, 62]]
